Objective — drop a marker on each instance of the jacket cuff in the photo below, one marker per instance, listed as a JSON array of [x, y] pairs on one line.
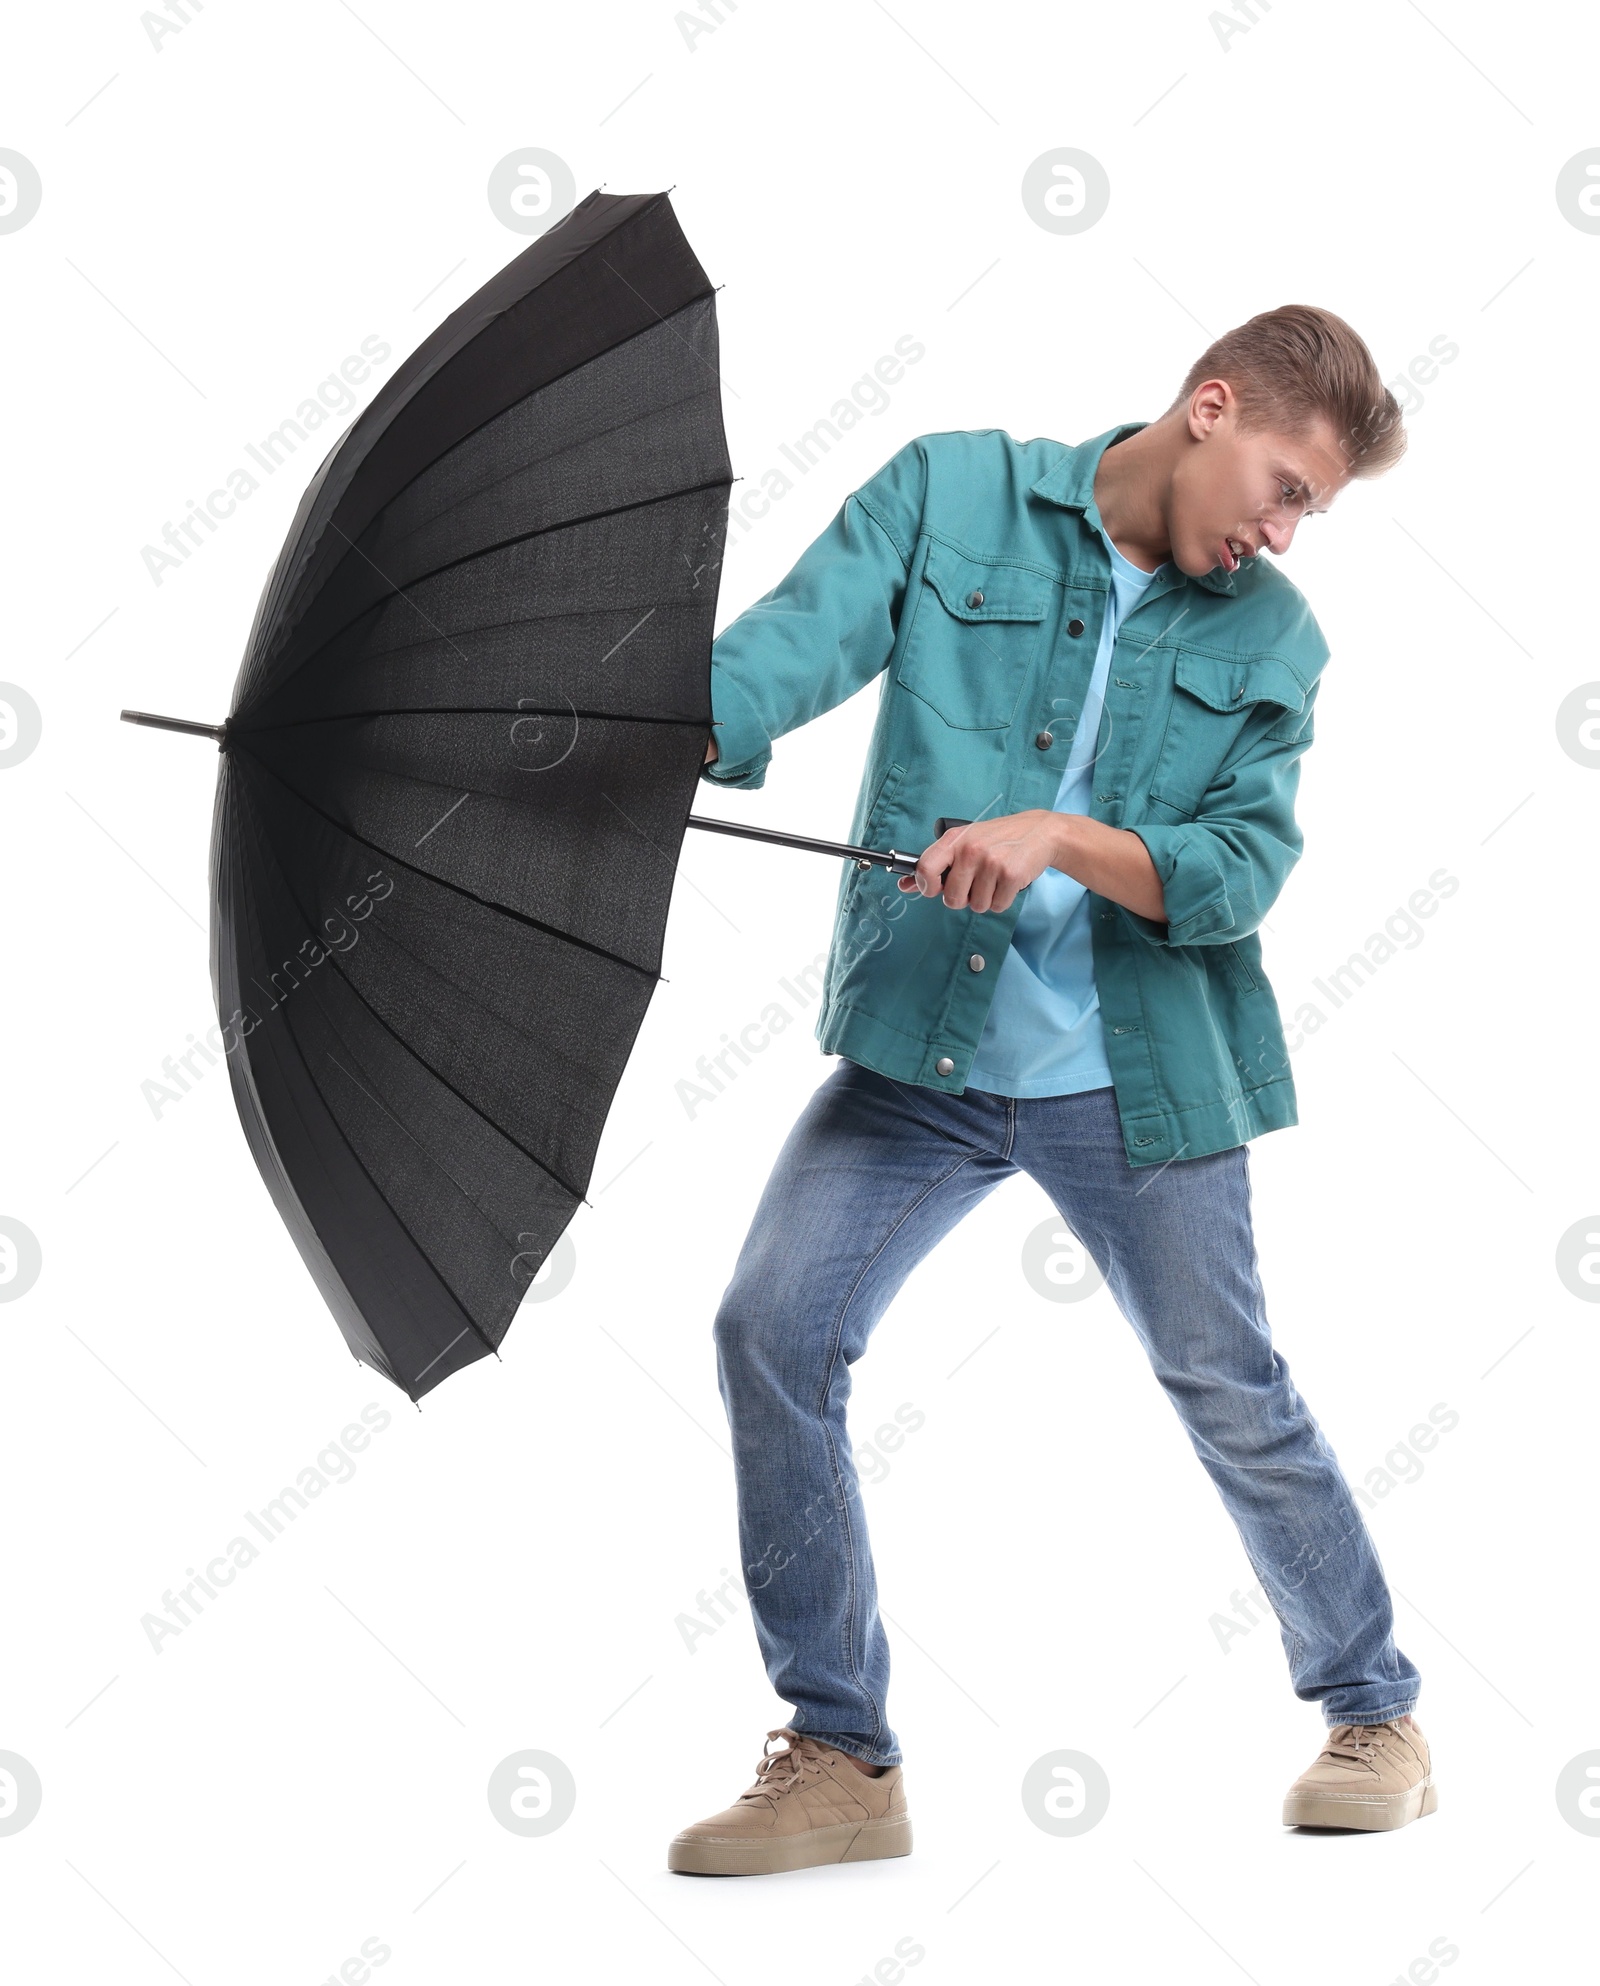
[[744, 749], [1193, 886]]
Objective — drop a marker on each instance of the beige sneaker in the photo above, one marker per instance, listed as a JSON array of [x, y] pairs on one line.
[[810, 1804], [1368, 1776]]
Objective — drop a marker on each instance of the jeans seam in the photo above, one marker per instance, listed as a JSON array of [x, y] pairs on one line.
[[1326, 1449], [833, 1452], [849, 1633]]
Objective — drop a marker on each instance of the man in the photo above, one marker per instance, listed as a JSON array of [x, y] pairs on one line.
[[1086, 661]]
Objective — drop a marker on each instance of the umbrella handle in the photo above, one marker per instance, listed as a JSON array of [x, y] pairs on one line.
[[895, 860]]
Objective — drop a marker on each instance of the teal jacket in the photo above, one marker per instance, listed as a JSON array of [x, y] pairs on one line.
[[968, 575]]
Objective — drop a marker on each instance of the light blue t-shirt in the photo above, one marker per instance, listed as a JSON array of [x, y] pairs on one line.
[[1042, 1036]]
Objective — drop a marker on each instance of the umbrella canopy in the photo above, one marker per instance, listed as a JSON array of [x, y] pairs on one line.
[[455, 778], [456, 775]]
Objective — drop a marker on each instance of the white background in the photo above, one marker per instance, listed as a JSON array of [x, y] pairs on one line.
[[305, 1766]]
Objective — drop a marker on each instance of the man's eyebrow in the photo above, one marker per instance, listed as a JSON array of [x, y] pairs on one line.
[[1299, 484]]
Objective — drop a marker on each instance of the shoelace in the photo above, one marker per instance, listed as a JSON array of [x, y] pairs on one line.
[[782, 1771], [1355, 1747]]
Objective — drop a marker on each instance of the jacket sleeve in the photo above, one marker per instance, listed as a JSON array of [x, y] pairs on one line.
[[826, 629], [1222, 872]]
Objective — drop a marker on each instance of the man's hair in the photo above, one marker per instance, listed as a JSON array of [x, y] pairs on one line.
[[1296, 365]]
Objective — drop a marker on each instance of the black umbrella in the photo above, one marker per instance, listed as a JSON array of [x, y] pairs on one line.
[[461, 754]]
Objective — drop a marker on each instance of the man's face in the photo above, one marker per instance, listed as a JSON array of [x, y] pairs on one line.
[[1250, 488]]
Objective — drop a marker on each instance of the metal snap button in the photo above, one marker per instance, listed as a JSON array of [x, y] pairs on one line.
[[977, 962], [975, 598], [1074, 627], [1044, 741], [944, 1066]]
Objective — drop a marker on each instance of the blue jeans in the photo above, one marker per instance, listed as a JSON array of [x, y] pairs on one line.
[[874, 1174]]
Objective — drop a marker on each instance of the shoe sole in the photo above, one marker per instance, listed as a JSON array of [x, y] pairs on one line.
[[1307, 1810], [850, 1841]]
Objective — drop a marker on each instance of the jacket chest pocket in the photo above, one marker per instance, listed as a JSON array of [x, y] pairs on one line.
[[1213, 698], [976, 628]]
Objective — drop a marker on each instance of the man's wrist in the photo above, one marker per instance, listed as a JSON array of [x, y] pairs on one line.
[[1067, 842], [1114, 862]]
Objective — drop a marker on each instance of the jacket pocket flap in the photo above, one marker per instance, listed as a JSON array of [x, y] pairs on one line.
[[975, 591], [1229, 682]]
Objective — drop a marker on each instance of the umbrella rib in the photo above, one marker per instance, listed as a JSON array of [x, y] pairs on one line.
[[552, 462], [483, 903], [235, 857], [700, 296], [344, 1135], [444, 1081], [510, 1025], [401, 591], [577, 365], [392, 655], [466, 710], [413, 482]]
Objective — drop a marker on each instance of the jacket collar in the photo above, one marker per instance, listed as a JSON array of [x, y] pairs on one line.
[[1070, 482]]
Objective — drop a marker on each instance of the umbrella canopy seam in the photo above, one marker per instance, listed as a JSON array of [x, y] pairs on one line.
[[546, 462], [499, 1130], [400, 590], [385, 410], [344, 1138], [483, 903]]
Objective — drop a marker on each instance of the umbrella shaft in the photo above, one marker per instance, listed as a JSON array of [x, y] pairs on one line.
[[896, 862], [893, 860], [173, 724]]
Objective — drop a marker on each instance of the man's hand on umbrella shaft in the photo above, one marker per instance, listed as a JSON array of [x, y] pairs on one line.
[[983, 866]]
